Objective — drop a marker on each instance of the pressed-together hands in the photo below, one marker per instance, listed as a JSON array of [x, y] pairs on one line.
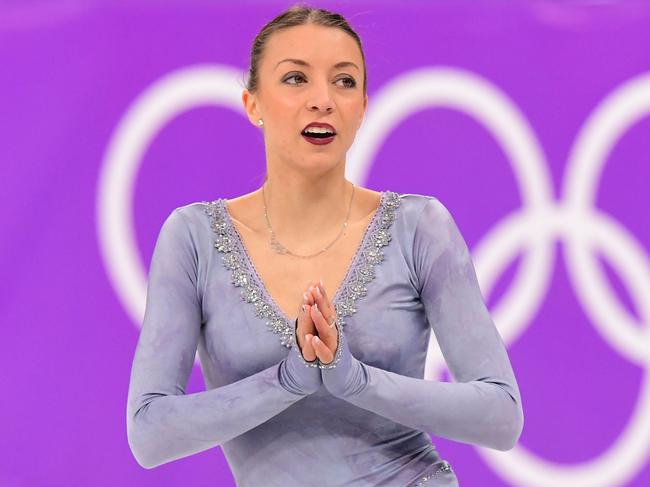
[[300, 373], [320, 354], [316, 338]]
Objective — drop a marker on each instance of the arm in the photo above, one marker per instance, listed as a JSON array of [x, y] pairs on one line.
[[483, 406], [164, 423]]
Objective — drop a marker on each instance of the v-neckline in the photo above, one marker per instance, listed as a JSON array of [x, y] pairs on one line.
[[348, 273]]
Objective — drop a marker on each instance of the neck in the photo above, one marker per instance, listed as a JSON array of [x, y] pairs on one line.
[[304, 208]]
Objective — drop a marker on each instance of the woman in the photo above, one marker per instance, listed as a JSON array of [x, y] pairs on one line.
[[330, 391]]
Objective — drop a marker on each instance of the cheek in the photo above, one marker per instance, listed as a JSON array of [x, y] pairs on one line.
[[286, 101], [285, 117]]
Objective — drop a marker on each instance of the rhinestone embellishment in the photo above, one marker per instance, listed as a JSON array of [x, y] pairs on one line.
[[228, 242], [443, 468]]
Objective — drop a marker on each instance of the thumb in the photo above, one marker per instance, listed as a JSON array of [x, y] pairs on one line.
[[308, 352]]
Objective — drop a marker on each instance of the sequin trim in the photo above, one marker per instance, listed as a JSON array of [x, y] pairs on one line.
[[360, 273], [444, 467]]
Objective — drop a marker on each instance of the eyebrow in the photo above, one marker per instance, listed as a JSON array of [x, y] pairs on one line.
[[342, 64]]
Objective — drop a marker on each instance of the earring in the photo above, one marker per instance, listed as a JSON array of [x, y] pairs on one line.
[[260, 122]]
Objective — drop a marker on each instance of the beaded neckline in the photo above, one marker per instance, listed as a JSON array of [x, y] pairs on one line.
[[244, 273]]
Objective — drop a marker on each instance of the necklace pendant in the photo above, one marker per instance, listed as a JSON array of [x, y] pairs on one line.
[[277, 246]]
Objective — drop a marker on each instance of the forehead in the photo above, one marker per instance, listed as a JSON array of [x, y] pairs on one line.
[[315, 44]]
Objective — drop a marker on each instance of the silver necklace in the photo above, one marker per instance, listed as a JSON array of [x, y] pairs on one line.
[[281, 249]]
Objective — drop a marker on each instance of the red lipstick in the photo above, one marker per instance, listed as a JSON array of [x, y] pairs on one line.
[[318, 133]]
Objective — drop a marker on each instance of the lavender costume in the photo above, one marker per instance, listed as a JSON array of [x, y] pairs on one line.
[[283, 422]]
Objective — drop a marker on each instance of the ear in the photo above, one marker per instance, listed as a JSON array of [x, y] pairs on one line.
[[250, 105]]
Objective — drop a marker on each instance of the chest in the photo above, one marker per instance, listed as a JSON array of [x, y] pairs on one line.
[[287, 277]]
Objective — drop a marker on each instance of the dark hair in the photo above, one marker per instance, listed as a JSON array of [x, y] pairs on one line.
[[298, 14]]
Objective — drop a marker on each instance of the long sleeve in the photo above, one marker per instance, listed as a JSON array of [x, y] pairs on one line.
[[164, 423], [483, 406]]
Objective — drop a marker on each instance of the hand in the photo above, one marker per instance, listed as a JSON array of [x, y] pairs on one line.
[[306, 327], [348, 376], [297, 372], [322, 313]]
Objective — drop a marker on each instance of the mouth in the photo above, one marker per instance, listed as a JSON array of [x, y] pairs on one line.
[[319, 133], [318, 139]]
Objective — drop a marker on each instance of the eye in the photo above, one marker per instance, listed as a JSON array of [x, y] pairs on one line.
[[294, 76], [351, 82]]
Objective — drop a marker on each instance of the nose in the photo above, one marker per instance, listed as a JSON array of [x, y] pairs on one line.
[[320, 98]]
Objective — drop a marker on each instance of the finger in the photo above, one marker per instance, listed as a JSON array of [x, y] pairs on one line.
[[323, 299], [310, 292], [322, 321], [327, 335], [308, 352], [307, 299], [322, 327], [306, 321], [310, 285], [321, 285], [305, 324], [324, 302], [325, 355]]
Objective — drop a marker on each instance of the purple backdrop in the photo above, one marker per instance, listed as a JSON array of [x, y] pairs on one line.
[[530, 112]]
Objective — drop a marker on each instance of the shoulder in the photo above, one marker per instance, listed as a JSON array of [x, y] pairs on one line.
[[419, 201], [193, 219], [416, 200], [419, 209], [429, 223], [196, 211], [190, 228], [436, 231]]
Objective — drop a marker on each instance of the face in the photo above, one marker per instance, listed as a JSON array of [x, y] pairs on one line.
[[292, 94]]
